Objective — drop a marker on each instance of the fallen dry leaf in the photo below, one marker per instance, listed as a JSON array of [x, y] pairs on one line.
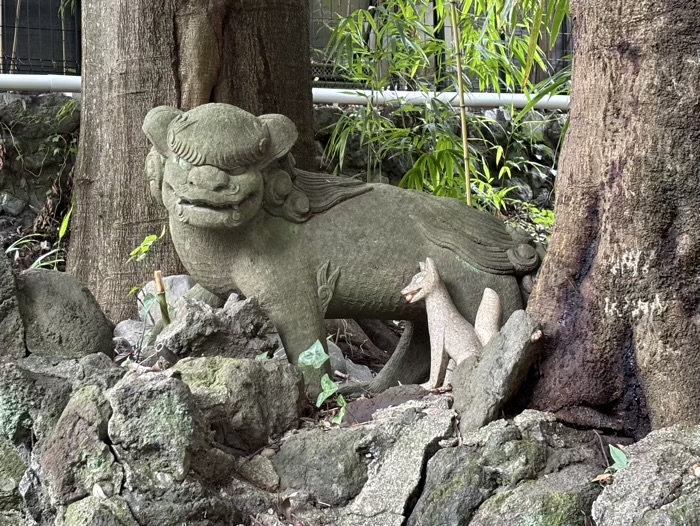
[[604, 478]]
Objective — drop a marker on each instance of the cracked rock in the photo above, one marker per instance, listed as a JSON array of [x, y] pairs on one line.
[[661, 485]]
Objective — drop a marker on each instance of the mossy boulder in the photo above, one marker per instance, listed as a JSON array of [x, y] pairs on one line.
[[12, 468], [29, 403], [246, 402], [95, 511], [661, 484], [507, 468], [61, 316], [76, 457], [563, 498]]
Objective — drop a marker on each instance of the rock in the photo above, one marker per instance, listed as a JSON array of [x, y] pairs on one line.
[[324, 121], [532, 127], [330, 464], [93, 369], [245, 402], [497, 125], [133, 331], [175, 288], [563, 498], [358, 373], [11, 327], [480, 391], [174, 473], [516, 467], [94, 511], [240, 330], [363, 409], [337, 358], [153, 425], [12, 468], [661, 485], [61, 317], [521, 188], [404, 438], [13, 518], [30, 403], [260, 472], [76, 456]]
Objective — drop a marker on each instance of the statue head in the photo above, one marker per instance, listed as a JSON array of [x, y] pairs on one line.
[[206, 166], [423, 283]]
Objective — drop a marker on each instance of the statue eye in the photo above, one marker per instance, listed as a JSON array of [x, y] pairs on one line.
[[183, 164]]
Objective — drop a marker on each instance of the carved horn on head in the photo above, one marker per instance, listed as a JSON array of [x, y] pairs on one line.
[[155, 126], [283, 135]]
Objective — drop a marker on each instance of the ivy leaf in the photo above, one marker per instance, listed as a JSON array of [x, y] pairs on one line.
[[315, 356], [329, 388]]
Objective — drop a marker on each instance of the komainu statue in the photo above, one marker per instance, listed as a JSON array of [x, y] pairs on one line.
[[311, 246]]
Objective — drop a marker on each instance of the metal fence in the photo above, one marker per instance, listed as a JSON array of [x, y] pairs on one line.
[[325, 14], [40, 36]]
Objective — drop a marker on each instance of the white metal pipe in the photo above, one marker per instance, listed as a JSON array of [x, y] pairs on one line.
[[476, 100], [42, 83], [72, 84]]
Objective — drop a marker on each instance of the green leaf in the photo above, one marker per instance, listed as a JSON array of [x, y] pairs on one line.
[[338, 419], [619, 457], [64, 224], [148, 301], [315, 356], [329, 388]]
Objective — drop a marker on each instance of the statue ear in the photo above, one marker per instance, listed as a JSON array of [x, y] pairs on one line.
[[421, 266], [283, 135], [430, 265], [155, 126]]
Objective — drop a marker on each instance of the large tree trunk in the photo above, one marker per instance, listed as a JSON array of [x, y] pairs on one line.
[[143, 53], [619, 292]]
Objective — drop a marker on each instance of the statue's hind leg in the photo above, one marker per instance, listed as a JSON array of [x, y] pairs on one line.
[[409, 364]]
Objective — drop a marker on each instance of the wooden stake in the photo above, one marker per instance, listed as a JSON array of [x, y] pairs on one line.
[[456, 36]]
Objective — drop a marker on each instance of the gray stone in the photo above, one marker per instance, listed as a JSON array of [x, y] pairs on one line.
[[94, 369], [405, 437], [30, 403], [153, 426], [76, 456], [11, 327], [246, 402], [338, 362], [661, 485], [61, 317], [481, 389], [133, 331], [239, 331], [324, 120], [12, 468], [489, 471], [95, 511], [330, 464], [260, 472], [174, 473], [357, 373], [11, 204], [563, 498], [175, 288], [13, 518]]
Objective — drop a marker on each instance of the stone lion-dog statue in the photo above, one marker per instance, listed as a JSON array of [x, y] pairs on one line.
[[310, 246]]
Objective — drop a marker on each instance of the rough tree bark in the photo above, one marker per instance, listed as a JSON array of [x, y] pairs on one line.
[[619, 291], [144, 53]]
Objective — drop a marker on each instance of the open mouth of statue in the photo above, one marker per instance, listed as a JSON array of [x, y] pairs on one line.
[[203, 212], [410, 294]]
